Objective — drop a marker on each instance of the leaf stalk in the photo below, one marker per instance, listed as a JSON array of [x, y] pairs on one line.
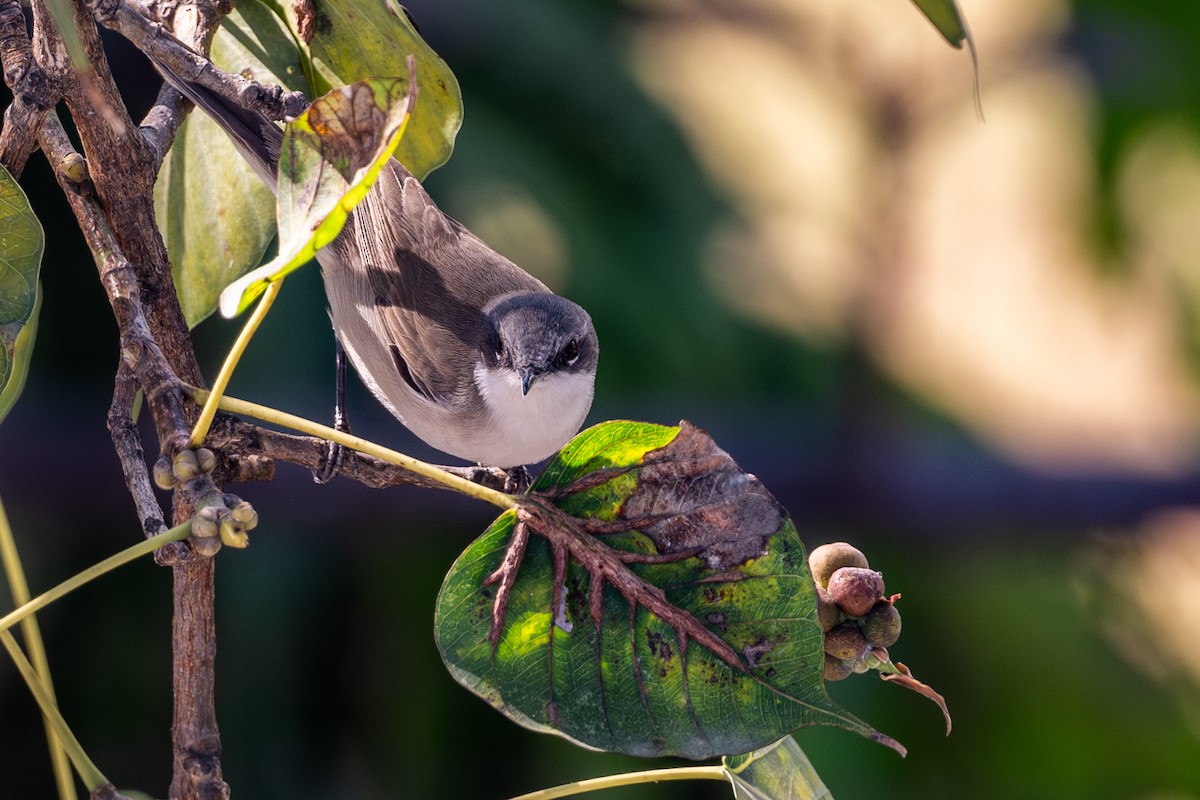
[[710, 773], [131, 553], [416, 466], [19, 587], [235, 354], [88, 772]]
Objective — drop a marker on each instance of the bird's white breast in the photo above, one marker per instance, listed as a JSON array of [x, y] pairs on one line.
[[527, 428]]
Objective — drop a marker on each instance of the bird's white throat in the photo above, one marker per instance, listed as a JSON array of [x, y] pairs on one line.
[[526, 428]]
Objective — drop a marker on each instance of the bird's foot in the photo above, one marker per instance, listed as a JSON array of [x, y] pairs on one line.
[[517, 480]]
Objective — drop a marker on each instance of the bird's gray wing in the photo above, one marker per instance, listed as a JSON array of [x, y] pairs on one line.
[[431, 279]]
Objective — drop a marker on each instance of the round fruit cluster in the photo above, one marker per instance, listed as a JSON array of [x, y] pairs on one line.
[[859, 621]]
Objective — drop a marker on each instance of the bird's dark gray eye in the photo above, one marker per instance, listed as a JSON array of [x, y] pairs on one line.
[[499, 349], [570, 352]]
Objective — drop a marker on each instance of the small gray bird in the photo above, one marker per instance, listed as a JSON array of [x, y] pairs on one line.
[[473, 354]]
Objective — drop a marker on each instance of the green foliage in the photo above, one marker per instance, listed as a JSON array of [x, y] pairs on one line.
[[216, 216], [348, 40], [621, 671], [21, 243]]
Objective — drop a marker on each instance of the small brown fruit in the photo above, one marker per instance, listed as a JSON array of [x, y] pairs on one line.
[[856, 589], [845, 642], [828, 558], [836, 669], [828, 613], [881, 625]]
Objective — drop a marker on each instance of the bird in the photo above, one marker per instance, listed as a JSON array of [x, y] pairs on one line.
[[475, 356]]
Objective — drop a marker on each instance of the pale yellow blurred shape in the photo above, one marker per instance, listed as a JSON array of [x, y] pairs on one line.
[[1147, 600], [1167, 587], [1158, 190], [790, 151], [1001, 314], [871, 200]]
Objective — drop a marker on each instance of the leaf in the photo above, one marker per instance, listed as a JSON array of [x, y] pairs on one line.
[[216, 216], [779, 771], [330, 157], [671, 613], [349, 40], [21, 243]]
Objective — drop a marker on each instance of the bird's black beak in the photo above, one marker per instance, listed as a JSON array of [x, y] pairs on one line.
[[527, 376]]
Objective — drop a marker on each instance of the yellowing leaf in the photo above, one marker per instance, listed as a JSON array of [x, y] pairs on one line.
[[331, 156]]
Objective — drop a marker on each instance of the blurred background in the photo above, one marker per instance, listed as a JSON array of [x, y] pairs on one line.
[[970, 348]]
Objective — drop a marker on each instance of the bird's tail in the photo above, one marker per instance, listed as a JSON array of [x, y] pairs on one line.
[[257, 138]]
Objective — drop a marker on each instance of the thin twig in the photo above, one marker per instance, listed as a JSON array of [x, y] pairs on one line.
[[136, 21], [161, 123], [128, 443]]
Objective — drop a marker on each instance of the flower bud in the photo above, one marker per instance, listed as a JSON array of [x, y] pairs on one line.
[[206, 524], [206, 459], [244, 514], [233, 534], [164, 475], [185, 466]]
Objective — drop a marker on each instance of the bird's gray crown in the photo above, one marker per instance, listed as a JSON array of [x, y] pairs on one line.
[[542, 331]]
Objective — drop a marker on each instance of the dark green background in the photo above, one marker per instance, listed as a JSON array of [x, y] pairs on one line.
[[329, 682]]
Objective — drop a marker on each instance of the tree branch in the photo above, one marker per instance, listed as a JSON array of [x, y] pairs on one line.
[[235, 441]]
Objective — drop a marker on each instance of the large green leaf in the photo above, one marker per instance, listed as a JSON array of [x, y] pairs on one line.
[[216, 216], [672, 613], [330, 157], [21, 243], [349, 40], [779, 771]]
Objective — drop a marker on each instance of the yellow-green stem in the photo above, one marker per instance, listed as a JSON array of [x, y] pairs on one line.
[[434, 473], [628, 779], [235, 354], [178, 533], [88, 773], [19, 587]]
